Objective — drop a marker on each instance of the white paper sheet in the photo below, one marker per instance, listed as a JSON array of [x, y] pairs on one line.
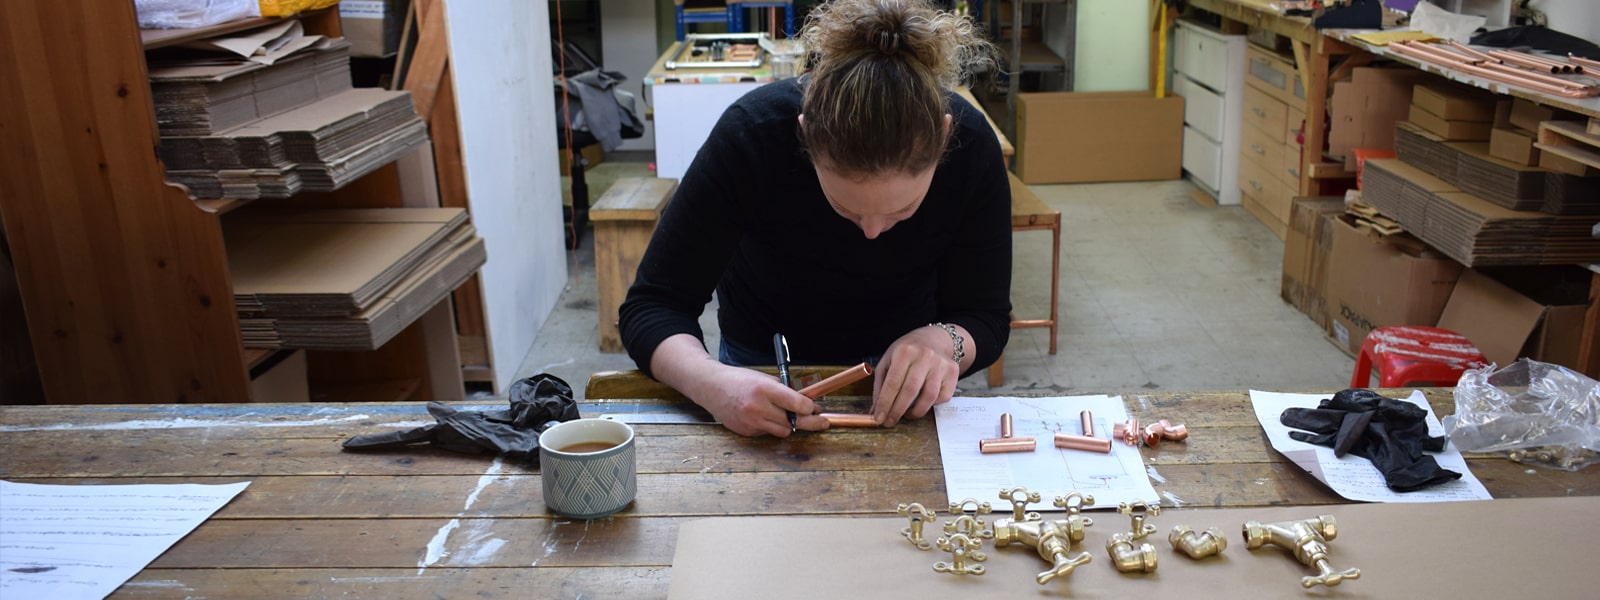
[[83, 541], [1110, 478], [1352, 476]]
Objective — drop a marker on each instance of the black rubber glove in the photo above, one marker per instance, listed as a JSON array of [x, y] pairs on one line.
[[536, 403], [1391, 433]]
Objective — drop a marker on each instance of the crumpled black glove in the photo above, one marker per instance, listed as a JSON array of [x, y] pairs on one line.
[[537, 403], [1391, 433]]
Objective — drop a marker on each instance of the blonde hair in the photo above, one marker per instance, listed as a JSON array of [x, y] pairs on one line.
[[875, 100]]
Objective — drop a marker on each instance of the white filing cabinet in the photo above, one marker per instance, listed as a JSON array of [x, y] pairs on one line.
[[1208, 71]]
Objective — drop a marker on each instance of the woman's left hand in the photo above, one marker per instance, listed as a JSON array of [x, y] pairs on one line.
[[916, 373]]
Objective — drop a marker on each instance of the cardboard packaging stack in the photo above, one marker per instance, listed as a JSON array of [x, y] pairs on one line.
[[344, 279], [251, 129]]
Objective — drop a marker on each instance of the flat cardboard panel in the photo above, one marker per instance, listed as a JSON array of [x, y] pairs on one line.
[[1513, 145], [1495, 318], [1365, 109], [1074, 137], [1527, 115], [1510, 548], [1375, 281], [1454, 102]]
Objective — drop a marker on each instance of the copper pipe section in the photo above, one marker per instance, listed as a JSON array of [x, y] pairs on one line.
[[1523, 61], [1164, 430], [839, 380], [849, 420], [1086, 421], [1467, 50], [1583, 62], [1559, 66], [1083, 442], [998, 446], [1503, 75], [1005, 425], [1434, 54], [1541, 77]]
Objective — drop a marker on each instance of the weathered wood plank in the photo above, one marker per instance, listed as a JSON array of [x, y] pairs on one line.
[[518, 583]]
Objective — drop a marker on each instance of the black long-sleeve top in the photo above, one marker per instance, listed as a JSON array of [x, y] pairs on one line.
[[749, 220]]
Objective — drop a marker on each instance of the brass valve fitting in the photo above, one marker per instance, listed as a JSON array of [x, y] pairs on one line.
[[1127, 557], [969, 526], [1308, 539], [1197, 545], [961, 548], [1137, 513]]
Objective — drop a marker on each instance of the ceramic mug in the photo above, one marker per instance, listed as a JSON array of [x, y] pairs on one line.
[[587, 468]]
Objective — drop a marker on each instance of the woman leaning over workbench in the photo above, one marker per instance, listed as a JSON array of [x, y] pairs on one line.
[[861, 210]]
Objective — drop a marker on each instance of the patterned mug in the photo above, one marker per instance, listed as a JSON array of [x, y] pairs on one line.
[[587, 468]]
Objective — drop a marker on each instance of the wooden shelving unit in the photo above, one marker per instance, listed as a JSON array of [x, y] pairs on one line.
[[124, 277]]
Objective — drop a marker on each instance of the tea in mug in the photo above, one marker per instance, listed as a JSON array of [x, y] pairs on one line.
[[582, 447]]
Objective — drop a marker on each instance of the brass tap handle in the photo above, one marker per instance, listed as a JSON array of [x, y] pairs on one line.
[[970, 526], [961, 548], [918, 515], [1307, 538], [1127, 557], [1055, 545], [1019, 498], [1197, 545], [1138, 511]]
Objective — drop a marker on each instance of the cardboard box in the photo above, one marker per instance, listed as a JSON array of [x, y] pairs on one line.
[[373, 26], [1513, 145], [1561, 164], [1527, 115], [1365, 109], [1076, 137], [1448, 129], [1305, 256], [1454, 102], [1535, 313], [1376, 281]]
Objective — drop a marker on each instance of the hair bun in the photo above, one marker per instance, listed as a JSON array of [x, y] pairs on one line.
[[888, 42]]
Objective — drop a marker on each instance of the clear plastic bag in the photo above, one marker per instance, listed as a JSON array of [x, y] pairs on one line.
[[1532, 412], [189, 14]]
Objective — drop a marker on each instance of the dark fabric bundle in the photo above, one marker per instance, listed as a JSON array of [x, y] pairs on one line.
[[537, 403], [1393, 434]]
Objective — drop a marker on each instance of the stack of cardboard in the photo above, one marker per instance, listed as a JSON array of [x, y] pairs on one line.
[[1452, 111], [1470, 167], [317, 147], [344, 279], [1472, 230], [208, 98]]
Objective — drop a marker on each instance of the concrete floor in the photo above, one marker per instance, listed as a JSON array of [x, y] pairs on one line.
[[1157, 293]]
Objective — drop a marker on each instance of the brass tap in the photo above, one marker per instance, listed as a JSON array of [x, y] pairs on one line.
[[1051, 539], [1308, 538], [1128, 558], [1197, 545], [960, 548], [918, 515], [1019, 504]]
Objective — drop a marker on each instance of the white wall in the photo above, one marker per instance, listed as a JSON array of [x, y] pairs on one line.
[[628, 43], [500, 58], [1573, 17], [1113, 49]]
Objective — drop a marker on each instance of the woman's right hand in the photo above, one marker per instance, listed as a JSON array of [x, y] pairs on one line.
[[746, 401]]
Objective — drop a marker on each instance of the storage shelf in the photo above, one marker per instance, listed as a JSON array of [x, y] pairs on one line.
[[161, 38]]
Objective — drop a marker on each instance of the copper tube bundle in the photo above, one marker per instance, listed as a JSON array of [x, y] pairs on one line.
[[1443, 56], [1006, 443]]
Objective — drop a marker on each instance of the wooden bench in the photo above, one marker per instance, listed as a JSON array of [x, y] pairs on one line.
[[624, 218], [1029, 213]]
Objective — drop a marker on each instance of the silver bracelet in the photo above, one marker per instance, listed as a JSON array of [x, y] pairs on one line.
[[955, 337]]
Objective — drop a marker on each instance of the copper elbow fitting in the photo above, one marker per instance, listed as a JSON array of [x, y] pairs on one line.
[[1083, 442], [1164, 429]]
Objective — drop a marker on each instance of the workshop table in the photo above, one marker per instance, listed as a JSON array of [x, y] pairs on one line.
[[320, 522]]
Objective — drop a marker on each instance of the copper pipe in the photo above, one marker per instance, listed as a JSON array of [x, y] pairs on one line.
[[1418, 52], [838, 380], [1583, 62], [1083, 442], [1086, 421], [1439, 56], [1005, 425], [849, 420], [1025, 444], [1539, 77], [1561, 66], [1467, 50], [1127, 430], [1509, 58]]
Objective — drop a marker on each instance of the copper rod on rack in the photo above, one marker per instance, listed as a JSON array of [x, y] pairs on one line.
[[1583, 62], [1522, 61], [849, 420], [1540, 77], [1439, 55], [838, 380], [1467, 50], [1564, 67], [1451, 60]]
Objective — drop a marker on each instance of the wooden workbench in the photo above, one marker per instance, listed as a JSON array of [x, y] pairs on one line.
[[319, 522]]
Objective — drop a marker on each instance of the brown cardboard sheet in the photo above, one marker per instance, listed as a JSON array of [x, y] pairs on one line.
[[1521, 548]]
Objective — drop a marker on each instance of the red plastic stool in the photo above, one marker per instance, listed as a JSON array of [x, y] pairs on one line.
[[1407, 355]]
